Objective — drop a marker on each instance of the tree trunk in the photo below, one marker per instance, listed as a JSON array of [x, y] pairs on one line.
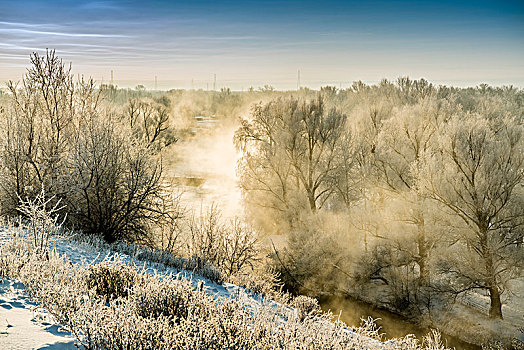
[[422, 255], [495, 308], [312, 202]]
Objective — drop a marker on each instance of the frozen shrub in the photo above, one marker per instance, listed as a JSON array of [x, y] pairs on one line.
[[115, 183], [517, 344], [230, 247], [13, 256], [432, 341], [206, 236], [143, 253], [369, 328], [55, 134], [306, 306], [262, 280], [167, 298], [41, 218], [112, 281], [202, 267], [240, 247]]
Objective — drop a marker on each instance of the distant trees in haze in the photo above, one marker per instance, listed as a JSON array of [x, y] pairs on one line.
[[291, 149]]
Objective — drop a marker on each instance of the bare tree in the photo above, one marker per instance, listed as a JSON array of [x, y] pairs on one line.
[[39, 122], [230, 247], [266, 175], [115, 184], [347, 178], [149, 121]]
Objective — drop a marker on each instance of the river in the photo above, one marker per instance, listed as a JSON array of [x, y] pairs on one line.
[[351, 311]]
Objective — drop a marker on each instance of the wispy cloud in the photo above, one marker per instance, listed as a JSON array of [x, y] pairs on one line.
[[339, 38], [9, 46], [74, 35], [27, 25], [211, 38], [13, 57]]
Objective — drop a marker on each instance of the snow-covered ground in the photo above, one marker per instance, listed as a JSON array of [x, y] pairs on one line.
[[512, 310], [23, 325]]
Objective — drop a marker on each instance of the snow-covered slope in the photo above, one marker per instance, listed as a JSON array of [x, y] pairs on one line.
[[23, 325]]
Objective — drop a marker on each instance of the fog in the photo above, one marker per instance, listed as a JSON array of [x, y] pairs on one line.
[[210, 159], [381, 222]]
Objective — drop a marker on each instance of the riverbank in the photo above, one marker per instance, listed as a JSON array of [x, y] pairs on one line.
[[114, 296]]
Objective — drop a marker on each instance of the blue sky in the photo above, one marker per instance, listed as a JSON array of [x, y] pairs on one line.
[[249, 43]]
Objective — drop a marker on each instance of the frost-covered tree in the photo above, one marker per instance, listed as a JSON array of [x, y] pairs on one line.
[[149, 121], [477, 173], [56, 136], [39, 121], [402, 141], [115, 185], [291, 145]]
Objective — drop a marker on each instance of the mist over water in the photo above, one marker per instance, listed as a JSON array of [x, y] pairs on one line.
[[205, 168]]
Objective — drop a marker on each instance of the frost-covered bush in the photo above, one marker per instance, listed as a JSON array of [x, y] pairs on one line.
[[262, 280], [230, 247], [54, 134], [167, 298], [46, 277], [14, 255], [313, 260], [393, 272], [41, 218], [112, 281], [194, 264], [306, 306]]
